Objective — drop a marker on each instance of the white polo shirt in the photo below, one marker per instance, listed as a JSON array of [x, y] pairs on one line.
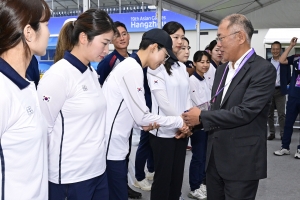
[[199, 89], [210, 75], [23, 132], [124, 91], [74, 106], [176, 87]]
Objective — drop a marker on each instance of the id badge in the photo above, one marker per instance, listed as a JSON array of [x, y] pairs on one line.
[[297, 81], [204, 106]]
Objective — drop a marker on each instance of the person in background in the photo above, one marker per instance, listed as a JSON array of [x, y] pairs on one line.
[[127, 108], [23, 132], [293, 103], [169, 85], [120, 42], [184, 54], [200, 93], [75, 108], [216, 57], [283, 78]]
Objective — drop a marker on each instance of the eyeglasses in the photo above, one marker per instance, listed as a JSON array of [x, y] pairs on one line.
[[167, 56], [221, 38]]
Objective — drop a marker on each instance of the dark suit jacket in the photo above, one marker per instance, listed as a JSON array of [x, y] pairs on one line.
[[237, 129], [285, 77]]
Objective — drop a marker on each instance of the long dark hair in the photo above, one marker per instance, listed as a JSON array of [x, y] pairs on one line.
[[92, 22], [171, 28], [15, 15]]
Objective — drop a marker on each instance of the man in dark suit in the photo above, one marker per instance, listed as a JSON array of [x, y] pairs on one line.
[[237, 120], [283, 77]]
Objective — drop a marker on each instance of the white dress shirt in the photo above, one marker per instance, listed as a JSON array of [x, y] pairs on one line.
[[232, 71]]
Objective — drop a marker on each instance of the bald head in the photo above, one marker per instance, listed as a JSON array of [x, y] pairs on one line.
[[239, 22]]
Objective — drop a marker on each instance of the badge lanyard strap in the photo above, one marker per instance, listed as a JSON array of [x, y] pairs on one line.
[[246, 58]]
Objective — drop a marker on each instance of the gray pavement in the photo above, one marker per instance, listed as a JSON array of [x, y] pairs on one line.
[[282, 183]]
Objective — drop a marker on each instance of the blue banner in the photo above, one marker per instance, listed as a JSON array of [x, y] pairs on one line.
[[138, 21]]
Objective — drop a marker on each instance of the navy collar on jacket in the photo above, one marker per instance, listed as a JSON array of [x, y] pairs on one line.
[[11, 74], [214, 64], [198, 76], [136, 57], [119, 56], [76, 62]]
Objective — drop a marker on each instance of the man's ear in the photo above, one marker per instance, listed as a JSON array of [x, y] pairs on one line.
[[29, 33], [242, 37]]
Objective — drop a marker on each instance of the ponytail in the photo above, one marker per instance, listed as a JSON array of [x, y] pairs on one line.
[[92, 22], [64, 42]]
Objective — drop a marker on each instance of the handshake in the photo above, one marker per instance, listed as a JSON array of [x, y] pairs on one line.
[[190, 119]]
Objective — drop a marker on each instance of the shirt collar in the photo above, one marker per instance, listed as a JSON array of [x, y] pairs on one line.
[[76, 62], [119, 56], [198, 76], [238, 62], [136, 57], [272, 59], [11, 74], [214, 64]]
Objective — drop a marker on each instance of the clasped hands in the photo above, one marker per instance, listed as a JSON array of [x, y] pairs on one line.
[[190, 119]]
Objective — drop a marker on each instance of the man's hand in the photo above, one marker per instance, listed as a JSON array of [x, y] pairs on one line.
[[150, 127], [293, 41], [191, 117]]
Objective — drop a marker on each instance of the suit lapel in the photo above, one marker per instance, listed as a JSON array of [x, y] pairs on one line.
[[237, 78], [216, 104]]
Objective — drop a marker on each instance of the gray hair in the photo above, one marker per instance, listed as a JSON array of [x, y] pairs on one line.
[[240, 21]]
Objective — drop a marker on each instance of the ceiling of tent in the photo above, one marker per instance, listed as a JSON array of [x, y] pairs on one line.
[[73, 4], [262, 13]]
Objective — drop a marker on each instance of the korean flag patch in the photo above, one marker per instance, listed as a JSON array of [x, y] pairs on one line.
[[46, 98]]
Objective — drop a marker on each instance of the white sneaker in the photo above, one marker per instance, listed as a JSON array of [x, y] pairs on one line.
[[197, 194], [143, 185], [282, 152], [297, 154], [203, 188], [150, 176]]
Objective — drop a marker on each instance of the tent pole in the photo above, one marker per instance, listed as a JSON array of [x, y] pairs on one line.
[[158, 13], [198, 32], [85, 5]]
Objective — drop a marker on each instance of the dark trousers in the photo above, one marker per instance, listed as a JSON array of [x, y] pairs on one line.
[[221, 189], [92, 189], [117, 179], [143, 154], [292, 111], [169, 158], [197, 165], [278, 100]]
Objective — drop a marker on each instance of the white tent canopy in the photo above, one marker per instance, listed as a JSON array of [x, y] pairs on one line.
[[262, 13], [284, 36]]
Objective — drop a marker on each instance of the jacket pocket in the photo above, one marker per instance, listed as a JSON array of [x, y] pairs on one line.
[[246, 141]]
